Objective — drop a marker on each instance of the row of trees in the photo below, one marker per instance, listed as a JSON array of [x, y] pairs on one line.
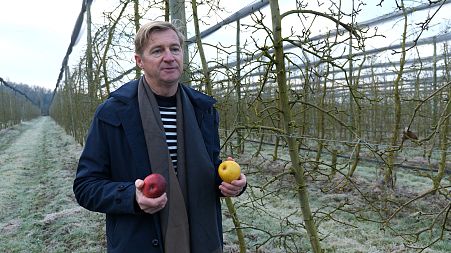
[[280, 85], [19, 102]]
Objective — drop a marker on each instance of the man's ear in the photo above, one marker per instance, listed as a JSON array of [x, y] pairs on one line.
[[138, 60]]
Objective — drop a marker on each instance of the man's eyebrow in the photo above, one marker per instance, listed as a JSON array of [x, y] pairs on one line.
[[155, 46], [161, 45]]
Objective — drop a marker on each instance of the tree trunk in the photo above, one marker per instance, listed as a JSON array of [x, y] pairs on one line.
[[389, 170], [137, 17], [239, 110], [89, 58], [177, 11], [200, 48], [444, 131], [288, 126], [321, 124]]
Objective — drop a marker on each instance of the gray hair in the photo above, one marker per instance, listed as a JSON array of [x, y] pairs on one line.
[[143, 34]]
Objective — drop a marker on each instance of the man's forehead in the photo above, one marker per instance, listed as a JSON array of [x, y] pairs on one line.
[[163, 37], [166, 32]]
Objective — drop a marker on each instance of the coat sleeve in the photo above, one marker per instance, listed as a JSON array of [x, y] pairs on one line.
[[215, 147], [94, 187]]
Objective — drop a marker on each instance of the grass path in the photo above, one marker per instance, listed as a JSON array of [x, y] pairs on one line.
[[38, 212]]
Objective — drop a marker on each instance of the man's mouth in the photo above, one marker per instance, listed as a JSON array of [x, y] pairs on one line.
[[170, 68]]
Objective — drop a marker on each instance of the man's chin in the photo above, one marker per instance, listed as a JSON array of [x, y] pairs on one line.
[[171, 79]]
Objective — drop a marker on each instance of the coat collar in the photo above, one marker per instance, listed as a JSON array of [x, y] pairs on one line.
[[126, 92]]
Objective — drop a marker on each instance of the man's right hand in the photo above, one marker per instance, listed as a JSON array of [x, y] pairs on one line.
[[148, 205]]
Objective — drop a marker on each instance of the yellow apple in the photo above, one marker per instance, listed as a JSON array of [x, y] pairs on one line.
[[229, 171]]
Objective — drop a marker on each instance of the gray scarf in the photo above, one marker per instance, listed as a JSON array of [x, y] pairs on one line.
[[174, 217], [189, 221]]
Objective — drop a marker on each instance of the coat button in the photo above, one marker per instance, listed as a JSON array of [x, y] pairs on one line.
[[155, 242], [121, 187]]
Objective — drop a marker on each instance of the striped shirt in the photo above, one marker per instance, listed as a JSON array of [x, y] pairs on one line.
[[168, 113]]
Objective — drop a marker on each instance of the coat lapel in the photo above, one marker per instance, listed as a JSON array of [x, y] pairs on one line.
[[131, 122]]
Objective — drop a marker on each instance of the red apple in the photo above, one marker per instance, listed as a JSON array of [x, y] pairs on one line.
[[154, 185]]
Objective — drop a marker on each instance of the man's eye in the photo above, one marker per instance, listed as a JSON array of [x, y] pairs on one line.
[[156, 52], [175, 50]]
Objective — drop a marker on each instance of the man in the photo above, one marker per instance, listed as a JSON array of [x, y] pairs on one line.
[[156, 125]]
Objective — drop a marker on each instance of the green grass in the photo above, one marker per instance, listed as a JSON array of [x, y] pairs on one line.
[[38, 212], [349, 216]]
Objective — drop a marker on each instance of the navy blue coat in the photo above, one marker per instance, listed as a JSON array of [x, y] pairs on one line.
[[115, 155]]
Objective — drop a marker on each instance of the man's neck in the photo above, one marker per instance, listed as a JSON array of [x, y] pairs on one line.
[[165, 90]]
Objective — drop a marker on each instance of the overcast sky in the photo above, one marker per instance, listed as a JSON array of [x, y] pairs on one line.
[[35, 34]]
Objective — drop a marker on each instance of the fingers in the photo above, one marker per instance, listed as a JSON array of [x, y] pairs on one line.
[[234, 188], [229, 158], [153, 205], [149, 205], [241, 181], [227, 192], [139, 184]]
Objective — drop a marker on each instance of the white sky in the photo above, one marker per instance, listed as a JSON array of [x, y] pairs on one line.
[[34, 35]]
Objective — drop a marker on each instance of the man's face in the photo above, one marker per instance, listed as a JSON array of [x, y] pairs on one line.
[[162, 60]]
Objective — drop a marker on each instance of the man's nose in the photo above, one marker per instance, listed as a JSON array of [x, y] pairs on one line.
[[168, 56]]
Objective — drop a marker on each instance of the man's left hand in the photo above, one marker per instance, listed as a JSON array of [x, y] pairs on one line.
[[234, 188]]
